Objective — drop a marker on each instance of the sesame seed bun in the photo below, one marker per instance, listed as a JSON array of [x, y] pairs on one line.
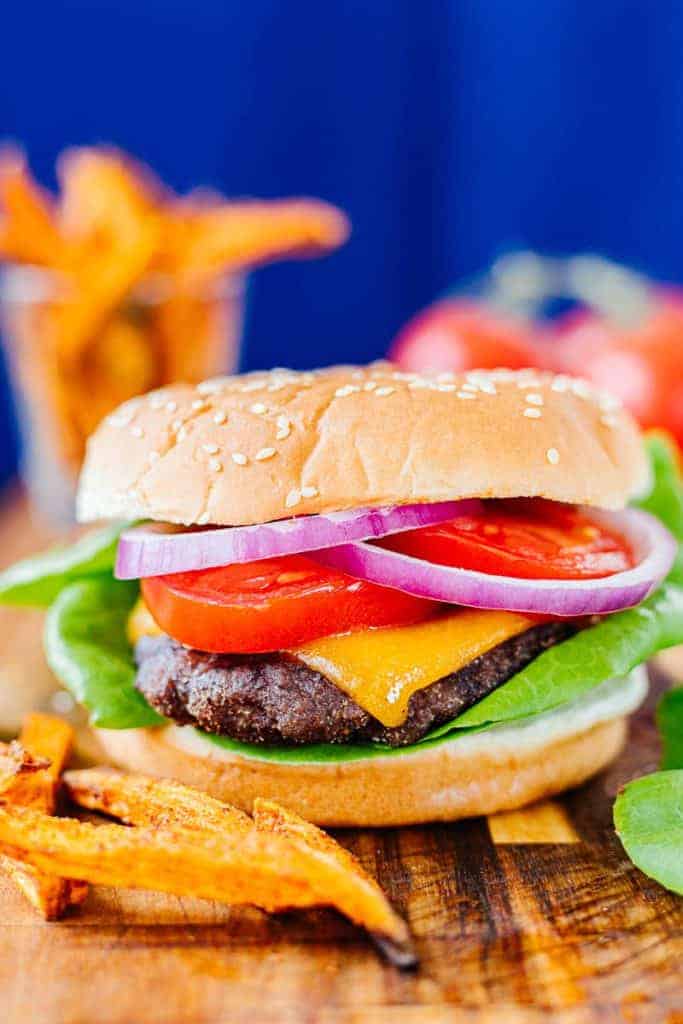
[[500, 769], [266, 446]]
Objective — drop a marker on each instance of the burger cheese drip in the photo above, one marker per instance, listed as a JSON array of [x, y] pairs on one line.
[[382, 668]]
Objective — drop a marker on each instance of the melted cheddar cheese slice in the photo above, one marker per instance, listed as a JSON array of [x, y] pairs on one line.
[[380, 669]]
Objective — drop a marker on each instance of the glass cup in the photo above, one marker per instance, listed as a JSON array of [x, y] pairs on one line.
[[72, 363]]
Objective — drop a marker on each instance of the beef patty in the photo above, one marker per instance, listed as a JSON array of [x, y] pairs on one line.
[[277, 700]]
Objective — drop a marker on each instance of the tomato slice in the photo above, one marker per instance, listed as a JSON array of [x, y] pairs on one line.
[[526, 538], [272, 605]]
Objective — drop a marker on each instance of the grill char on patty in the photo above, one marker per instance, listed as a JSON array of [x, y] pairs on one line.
[[275, 699]]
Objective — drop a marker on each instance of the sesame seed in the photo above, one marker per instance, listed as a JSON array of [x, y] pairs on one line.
[[157, 401], [553, 456], [293, 498], [532, 414], [609, 403], [215, 465], [182, 434], [353, 587], [347, 389], [277, 386], [137, 431], [219, 417], [309, 492], [560, 383], [212, 386], [176, 425], [465, 394], [171, 406], [119, 421], [452, 387], [284, 428], [534, 399], [211, 449], [382, 392], [482, 382], [370, 385], [239, 458], [254, 385], [153, 456], [581, 388], [258, 408], [470, 387], [417, 384], [265, 453], [199, 403], [203, 519]]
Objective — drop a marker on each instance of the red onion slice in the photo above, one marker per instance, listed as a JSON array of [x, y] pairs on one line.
[[158, 549], [651, 543]]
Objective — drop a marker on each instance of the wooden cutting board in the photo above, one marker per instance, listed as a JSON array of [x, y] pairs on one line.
[[532, 916]]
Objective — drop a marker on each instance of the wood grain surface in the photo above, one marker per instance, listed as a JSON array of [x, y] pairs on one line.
[[532, 916]]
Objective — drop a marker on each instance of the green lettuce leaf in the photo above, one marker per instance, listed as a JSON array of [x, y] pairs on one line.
[[609, 650], [665, 500], [648, 817], [87, 648], [38, 580], [670, 722]]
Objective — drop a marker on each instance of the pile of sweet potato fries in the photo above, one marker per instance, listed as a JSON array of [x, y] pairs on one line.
[[135, 293], [183, 842]]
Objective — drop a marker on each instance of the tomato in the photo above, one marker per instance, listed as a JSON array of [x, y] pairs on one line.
[[643, 365], [272, 605], [526, 538], [460, 335]]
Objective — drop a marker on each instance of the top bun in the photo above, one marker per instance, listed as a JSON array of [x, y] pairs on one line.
[[264, 446]]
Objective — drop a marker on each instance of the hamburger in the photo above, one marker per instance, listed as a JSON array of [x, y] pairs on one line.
[[377, 597]]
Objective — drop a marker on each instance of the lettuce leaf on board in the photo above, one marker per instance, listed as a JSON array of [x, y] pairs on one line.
[[648, 817], [88, 650], [37, 581]]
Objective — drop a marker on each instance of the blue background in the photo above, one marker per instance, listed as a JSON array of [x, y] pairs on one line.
[[447, 130]]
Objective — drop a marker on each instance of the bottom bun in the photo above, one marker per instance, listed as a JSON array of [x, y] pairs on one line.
[[502, 768]]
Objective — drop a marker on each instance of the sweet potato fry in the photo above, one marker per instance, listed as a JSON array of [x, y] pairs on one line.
[[356, 893], [218, 239], [109, 217], [15, 763], [105, 195], [28, 231], [143, 800], [48, 738], [49, 895], [51, 739], [235, 868], [333, 875]]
